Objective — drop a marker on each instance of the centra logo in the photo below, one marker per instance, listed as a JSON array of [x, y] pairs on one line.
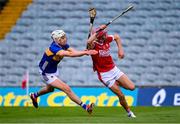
[[159, 98]]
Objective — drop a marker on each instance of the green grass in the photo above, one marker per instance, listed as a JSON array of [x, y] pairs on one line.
[[78, 115]]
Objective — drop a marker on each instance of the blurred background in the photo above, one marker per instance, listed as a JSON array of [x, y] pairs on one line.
[[150, 36]]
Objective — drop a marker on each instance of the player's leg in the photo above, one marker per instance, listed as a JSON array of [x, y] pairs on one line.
[[119, 76], [47, 78], [66, 89], [42, 91], [125, 82], [109, 79], [115, 88]]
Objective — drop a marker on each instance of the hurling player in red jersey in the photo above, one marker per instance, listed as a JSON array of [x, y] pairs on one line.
[[106, 69]]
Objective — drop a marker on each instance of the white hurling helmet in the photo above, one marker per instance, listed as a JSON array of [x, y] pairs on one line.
[[56, 34]]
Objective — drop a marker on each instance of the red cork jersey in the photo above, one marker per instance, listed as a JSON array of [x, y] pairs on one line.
[[103, 62]]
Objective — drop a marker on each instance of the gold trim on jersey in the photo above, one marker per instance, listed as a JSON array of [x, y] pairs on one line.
[[48, 52], [57, 58]]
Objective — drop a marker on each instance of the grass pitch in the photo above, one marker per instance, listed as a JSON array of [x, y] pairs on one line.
[[78, 115]]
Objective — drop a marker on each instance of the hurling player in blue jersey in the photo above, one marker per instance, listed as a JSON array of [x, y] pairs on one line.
[[48, 68]]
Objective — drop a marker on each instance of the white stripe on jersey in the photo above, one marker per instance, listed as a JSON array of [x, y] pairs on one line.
[[44, 65]]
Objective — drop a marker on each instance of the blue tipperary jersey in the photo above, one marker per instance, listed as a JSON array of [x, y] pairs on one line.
[[50, 59]]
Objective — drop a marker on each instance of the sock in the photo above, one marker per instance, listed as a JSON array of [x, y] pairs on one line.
[[84, 106], [128, 110], [36, 94]]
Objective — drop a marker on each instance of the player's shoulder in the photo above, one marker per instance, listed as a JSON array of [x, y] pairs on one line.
[[53, 44], [110, 38], [55, 47]]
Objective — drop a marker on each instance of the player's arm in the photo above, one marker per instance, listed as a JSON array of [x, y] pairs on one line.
[[90, 41], [75, 53], [92, 38], [119, 45]]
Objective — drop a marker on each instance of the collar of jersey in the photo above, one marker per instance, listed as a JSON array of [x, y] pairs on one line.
[[57, 44]]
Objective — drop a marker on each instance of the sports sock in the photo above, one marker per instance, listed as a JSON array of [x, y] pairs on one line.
[[84, 106], [36, 94], [128, 110]]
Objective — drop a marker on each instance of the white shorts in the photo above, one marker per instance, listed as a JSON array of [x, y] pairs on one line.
[[49, 77], [109, 78]]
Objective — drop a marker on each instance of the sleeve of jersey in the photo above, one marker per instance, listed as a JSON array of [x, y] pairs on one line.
[[110, 38]]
